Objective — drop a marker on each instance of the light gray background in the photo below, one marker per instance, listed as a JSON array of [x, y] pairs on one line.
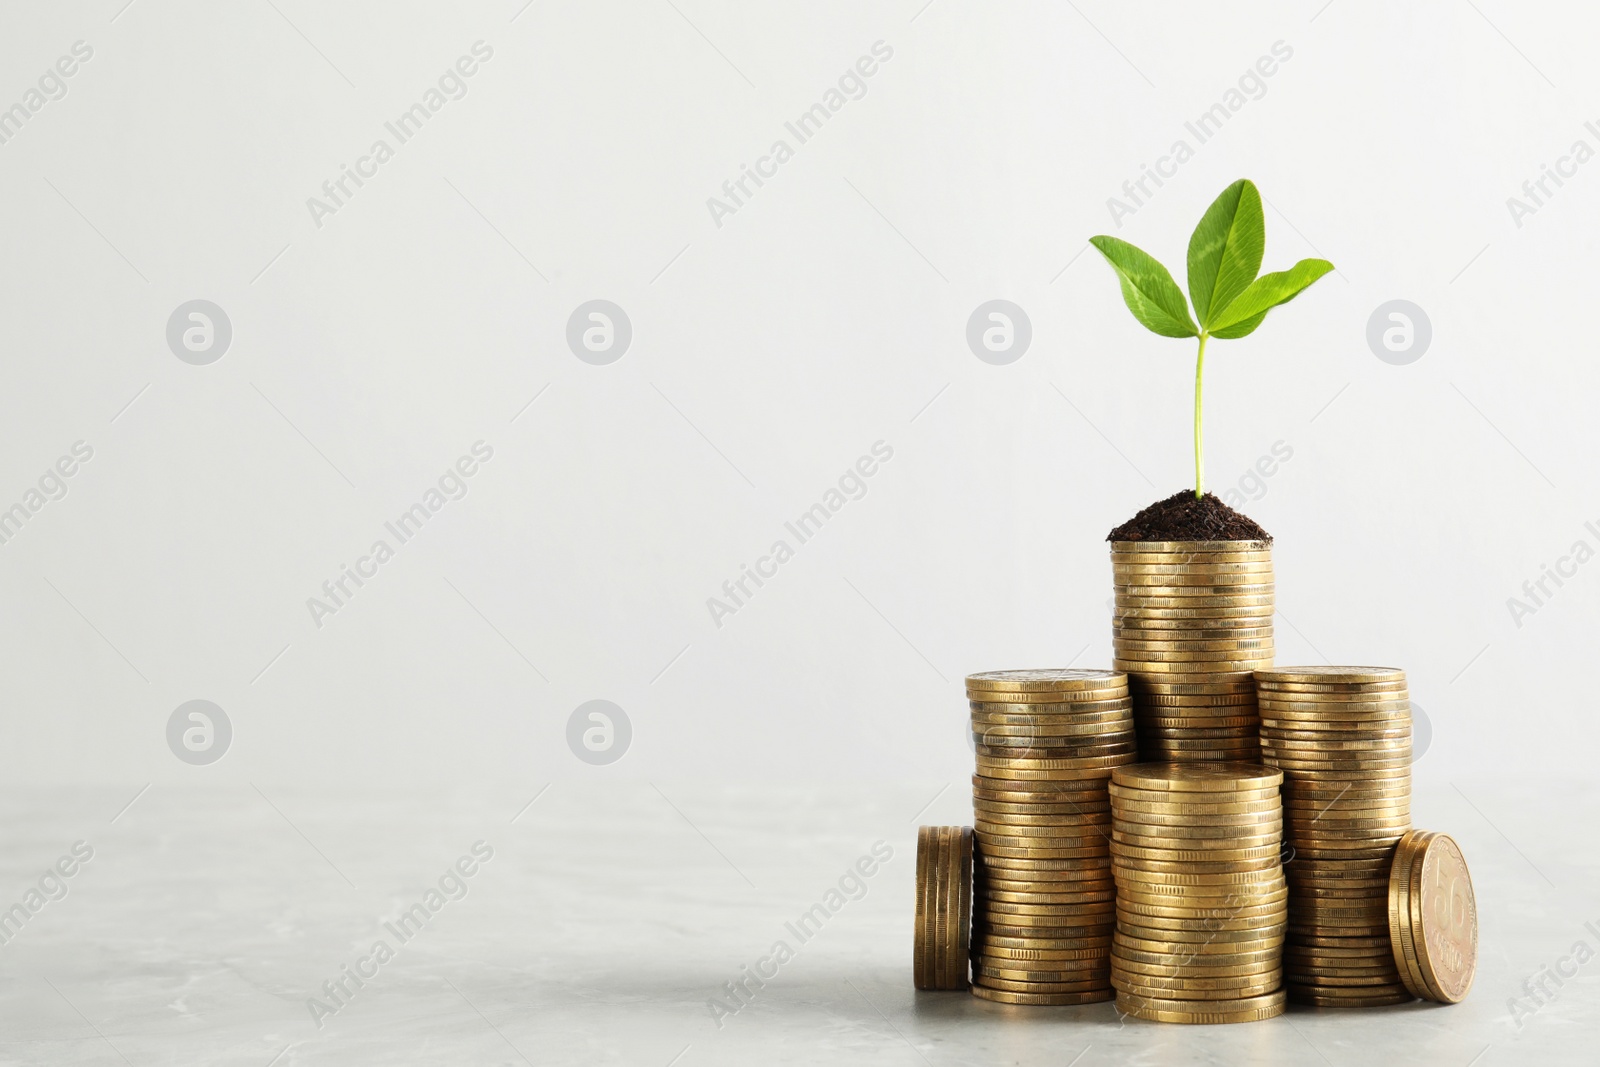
[[767, 355]]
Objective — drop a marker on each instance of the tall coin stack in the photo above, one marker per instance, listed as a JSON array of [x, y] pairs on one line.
[[1342, 737], [1201, 898], [1193, 619], [1044, 902]]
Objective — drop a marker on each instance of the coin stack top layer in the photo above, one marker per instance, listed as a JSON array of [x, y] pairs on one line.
[[1342, 737], [1433, 917], [1044, 903], [1193, 620], [943, 922], [1201, 899]]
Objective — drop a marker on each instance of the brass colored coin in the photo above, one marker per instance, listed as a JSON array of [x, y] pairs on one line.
[[1200, 900], [1200, 964], [1316, 1000], [1077, 912], [1093, 867], [1098, 971], [1125, 807], [1189, 548], [1059, 705], [1269, 876], [1313, 691], [1441, 920], [1193, 833], [1005, 996], [1080, 986], [1402, 930], [1101, 943], [1046, 891], [1045, 957], [1330, 675], [1221, 563], [1202, 952], [996, 897], [1195, 777], [1334, 712], [1168, 1010], [1227, 730], [1042, 934], [1086, 715], [1198, 850], [1046, 679], [1184, 672], [1192, 913], [1069, 792], [1146, 822], [1138, 921], [1196, 989], [1216, 684], [996, 809]]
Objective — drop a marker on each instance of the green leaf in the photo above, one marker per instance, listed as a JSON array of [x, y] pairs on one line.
[[1148, 289], [1241, 329], [1225, 250], [1267, 292]]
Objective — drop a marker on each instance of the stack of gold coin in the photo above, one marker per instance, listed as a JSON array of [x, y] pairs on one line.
[[940, 938], [1193, 619], [1201, 899], [1044, 903], [1342, 737], [1433, 917]]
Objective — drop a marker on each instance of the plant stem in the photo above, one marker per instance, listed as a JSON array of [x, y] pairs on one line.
[[1199, 447]]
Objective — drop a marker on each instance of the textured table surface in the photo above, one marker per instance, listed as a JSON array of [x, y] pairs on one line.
[[611, 915]]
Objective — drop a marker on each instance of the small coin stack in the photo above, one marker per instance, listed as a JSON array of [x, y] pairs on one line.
[[1193, 620], [1342, 737], [1044, 903], [943, 922], [1201, 898], [1433, 917]]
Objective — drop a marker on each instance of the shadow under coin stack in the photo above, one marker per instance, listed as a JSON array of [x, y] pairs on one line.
[[1342, 737], [1193, 619], [1201, 898], [1043, 901]]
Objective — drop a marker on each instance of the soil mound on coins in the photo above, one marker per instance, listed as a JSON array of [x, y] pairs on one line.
[[1180, 517]]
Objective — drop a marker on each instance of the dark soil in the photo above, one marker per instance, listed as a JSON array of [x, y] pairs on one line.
[[1181, 517]]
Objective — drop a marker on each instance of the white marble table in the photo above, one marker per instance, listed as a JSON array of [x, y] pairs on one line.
[[612, 912]]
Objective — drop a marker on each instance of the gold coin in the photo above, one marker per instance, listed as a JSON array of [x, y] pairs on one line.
[[1102, 714], [1200, 964], [1317, 1000], [1444, 919], [1202, 952], [1196, 989], [1163, 914], [1040, 933], [1190, 548], [1003, 791], [1101, 943], [1195, 777], [1235, 878], [1134, 809], [1047, 957], [1054, 706], [1176, 838], [1093, 908], [1004, 996], [1273, 916], [1050, 679], [1014, 896], [1187, 574], [1168, 1010], [1333, 675], [1201, 900], [1331, 691], [1069, 980], [1080, 986], [1263, 936], [1089, 749], [1199, 825]]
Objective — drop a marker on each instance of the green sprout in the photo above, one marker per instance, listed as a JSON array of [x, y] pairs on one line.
[[1229, 300]]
